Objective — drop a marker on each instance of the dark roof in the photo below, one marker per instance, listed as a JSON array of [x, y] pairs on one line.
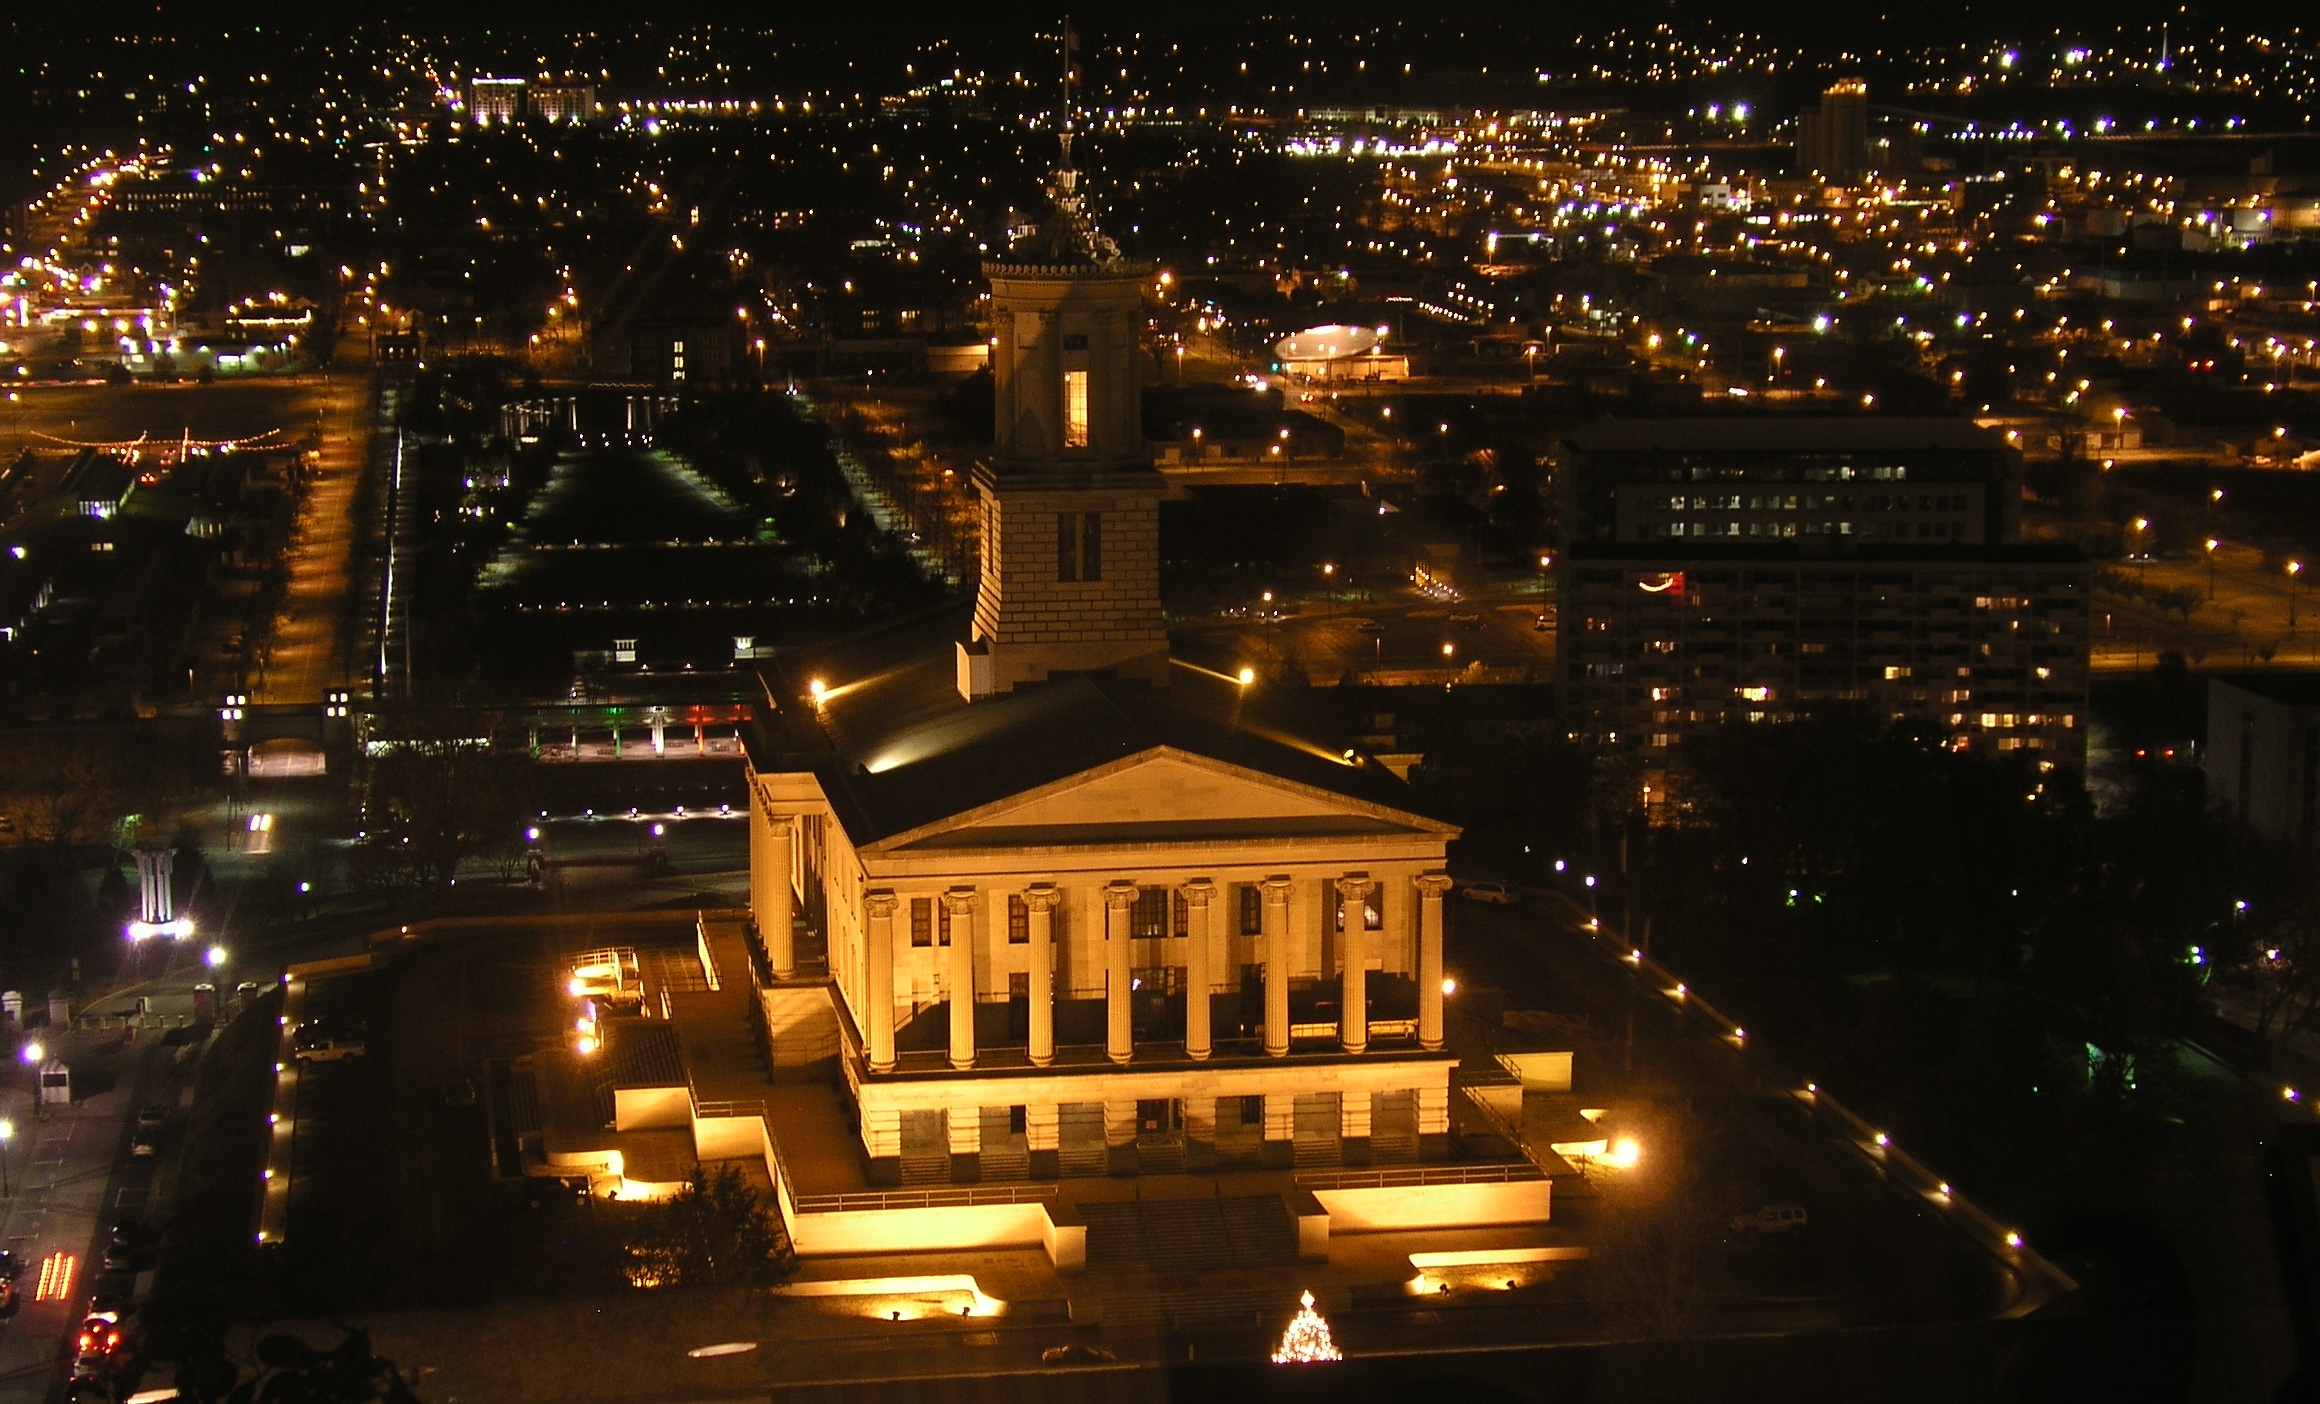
[[1771, 434], [2294, 689], [1661, 555], [896, 747]]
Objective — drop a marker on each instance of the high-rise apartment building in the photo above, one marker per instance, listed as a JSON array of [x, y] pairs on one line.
[[494, 102], [1834, 139]]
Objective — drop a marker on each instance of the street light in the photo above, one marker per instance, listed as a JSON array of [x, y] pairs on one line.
[[2212, 543], [2295, 576], [7, 1134], [214, 957]]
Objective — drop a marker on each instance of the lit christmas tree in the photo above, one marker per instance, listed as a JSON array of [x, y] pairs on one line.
[[1307, 1339]]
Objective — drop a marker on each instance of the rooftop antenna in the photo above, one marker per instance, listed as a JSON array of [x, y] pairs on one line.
[[1070, 42]]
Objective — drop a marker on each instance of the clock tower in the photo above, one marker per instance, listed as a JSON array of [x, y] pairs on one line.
[[1069, 499]]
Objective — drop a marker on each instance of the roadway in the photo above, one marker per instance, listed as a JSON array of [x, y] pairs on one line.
[[70, 1174], [307, 656]]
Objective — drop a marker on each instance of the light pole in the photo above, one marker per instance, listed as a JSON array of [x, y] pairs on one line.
[[32, 1053], [7, 1134], [2212, 543], [2295, 577]]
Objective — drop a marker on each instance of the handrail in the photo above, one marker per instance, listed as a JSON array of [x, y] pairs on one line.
[[949, 1197], [1400, 1176]]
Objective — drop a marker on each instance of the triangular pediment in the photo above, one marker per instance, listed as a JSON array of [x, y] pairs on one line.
[[1162, 795]]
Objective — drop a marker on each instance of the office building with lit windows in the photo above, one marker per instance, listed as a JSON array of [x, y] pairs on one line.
[[1759, 569], [1987, 642], [1756, 481]]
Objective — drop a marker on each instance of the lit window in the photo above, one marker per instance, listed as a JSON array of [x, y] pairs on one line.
[[1075, 409]]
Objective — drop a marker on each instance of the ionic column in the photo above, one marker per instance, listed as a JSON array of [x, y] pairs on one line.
[[959, 904], [771, 895], [1041, 899], [878, 1005], [1276, 948], [1197, 960], [1431, 886], [1353, 951], [1119, 1011]]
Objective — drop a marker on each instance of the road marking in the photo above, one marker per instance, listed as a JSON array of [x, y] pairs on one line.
[[56, 1275]]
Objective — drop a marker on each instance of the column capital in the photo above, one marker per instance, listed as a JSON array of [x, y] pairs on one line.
[[960, 901], [1276, 888], [1119, 895], [1353, 887], [1433, 884], [1198, 892], [1041, 897], [880, 902]]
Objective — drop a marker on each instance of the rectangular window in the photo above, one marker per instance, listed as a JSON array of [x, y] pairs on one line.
[[1091, 546], [1149, 917], [922, 921], [1079, 546], [1075, 409], [1252, 1111], [1018, 920], [1067, 545], [1252, 905]]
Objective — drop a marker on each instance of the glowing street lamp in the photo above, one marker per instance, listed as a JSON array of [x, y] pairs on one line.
[[2295, 577]]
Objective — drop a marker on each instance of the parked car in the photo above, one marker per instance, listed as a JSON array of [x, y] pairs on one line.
[[1771, 1218], [319, 1042], [1497, 892], [122, 1243], [100, 1333], [144, 1144], [152, 1117]]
